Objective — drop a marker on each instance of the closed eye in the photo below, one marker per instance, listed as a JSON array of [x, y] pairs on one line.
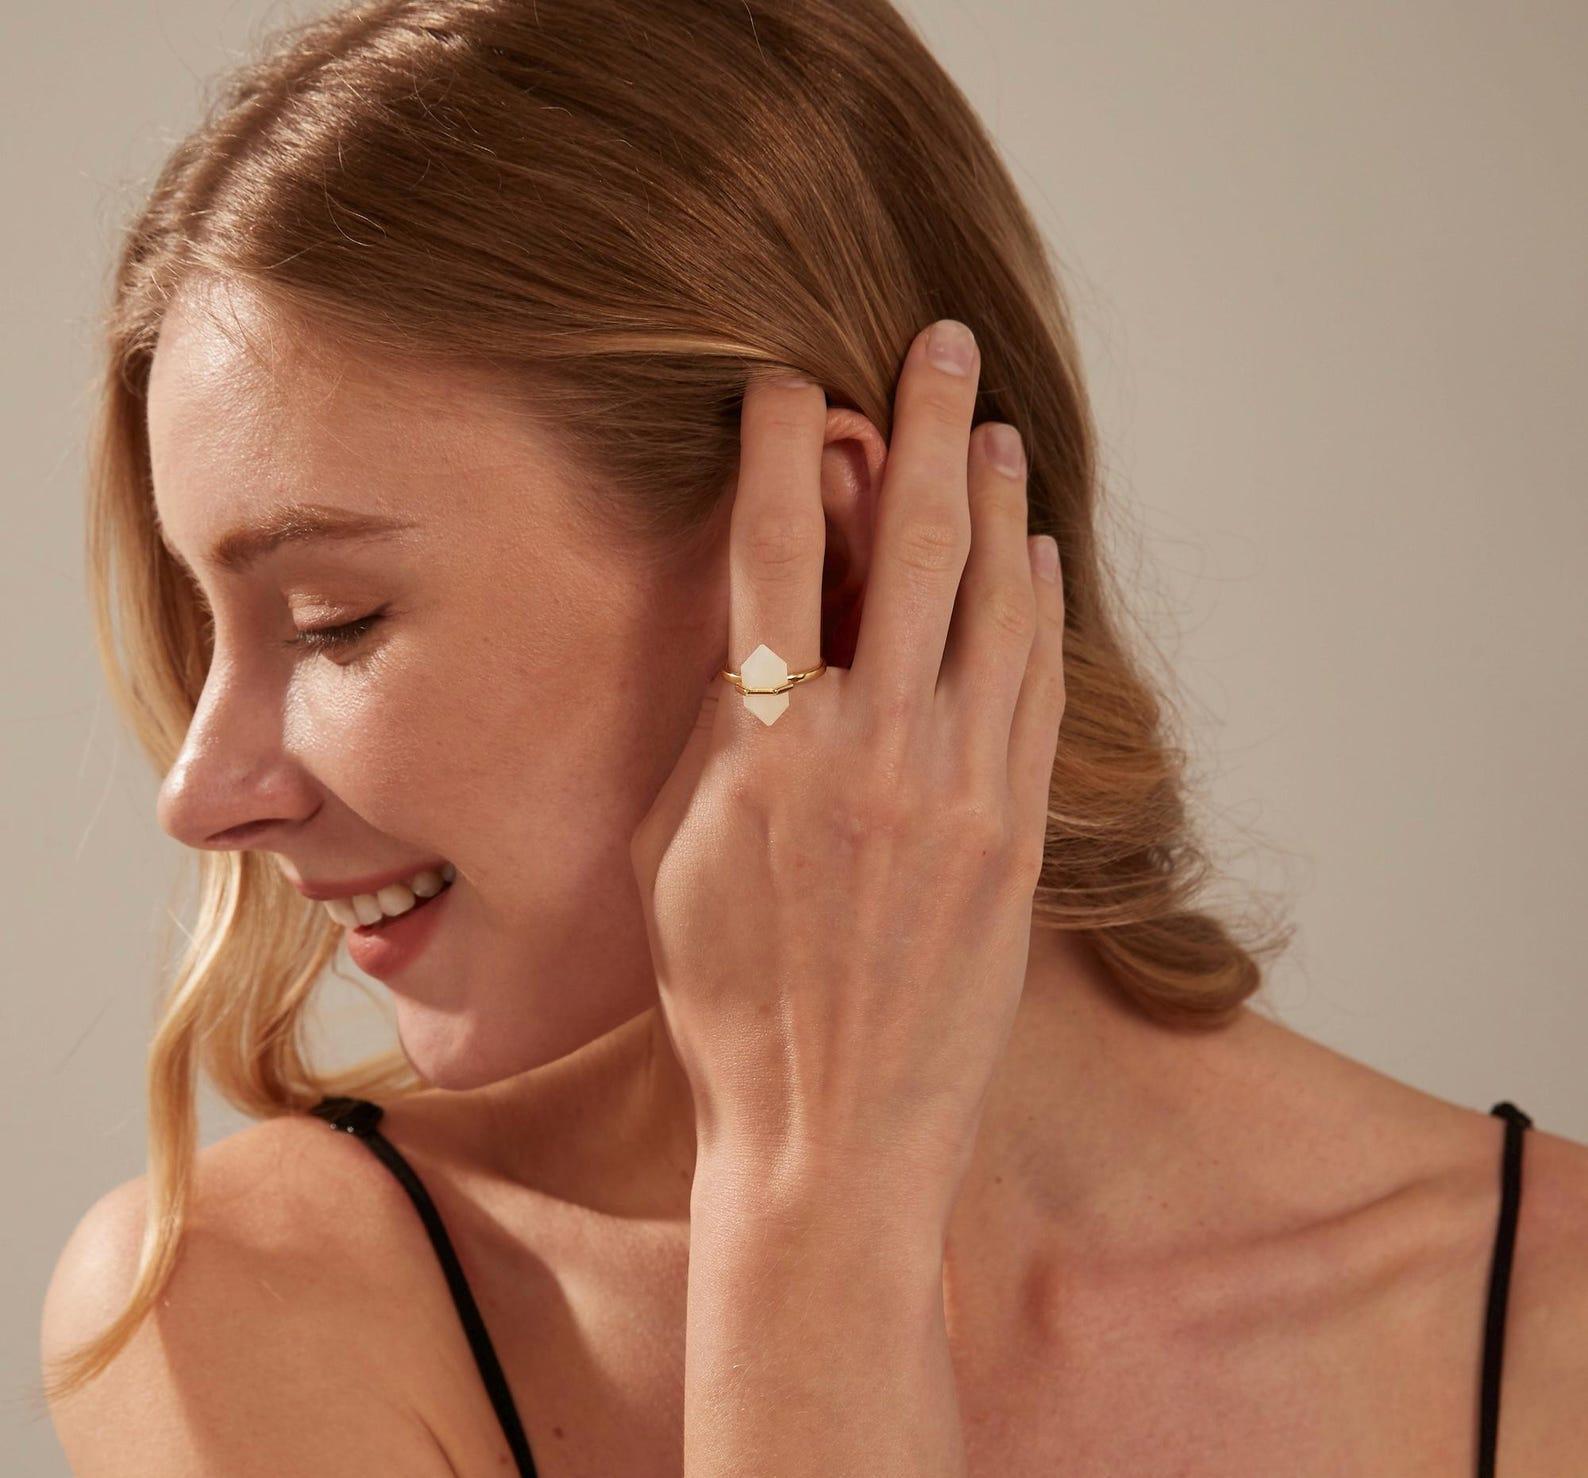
[[319, 638], [333, 637]]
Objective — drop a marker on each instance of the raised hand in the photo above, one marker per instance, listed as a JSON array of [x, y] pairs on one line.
[[839, 901]]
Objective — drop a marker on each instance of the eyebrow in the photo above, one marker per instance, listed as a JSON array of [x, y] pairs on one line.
[[294, 523]]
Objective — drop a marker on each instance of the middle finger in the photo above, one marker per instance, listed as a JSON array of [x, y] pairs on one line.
[[923, 523]]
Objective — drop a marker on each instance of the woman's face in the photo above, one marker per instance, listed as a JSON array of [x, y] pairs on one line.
[[513, 710]]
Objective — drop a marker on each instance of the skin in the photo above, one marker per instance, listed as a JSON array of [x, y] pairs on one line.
[[1239, 1247]]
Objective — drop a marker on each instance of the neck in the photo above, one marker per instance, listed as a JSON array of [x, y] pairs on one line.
[[1092, 1105]]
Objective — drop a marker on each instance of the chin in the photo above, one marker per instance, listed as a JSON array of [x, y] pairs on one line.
[[474, 1041], [459, 1049]]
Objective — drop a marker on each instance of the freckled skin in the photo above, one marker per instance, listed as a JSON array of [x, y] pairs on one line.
[[514, 712], [1169, 1203]]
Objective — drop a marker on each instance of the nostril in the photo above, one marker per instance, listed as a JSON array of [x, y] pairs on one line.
[[237, 836]]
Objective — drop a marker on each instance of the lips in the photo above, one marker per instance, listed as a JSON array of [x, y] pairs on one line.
[[389, 947]]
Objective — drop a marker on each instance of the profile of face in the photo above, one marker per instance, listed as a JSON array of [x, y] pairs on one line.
[[512, 709]]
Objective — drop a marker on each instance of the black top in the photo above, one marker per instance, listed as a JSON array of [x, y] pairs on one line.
[[360, 1117]]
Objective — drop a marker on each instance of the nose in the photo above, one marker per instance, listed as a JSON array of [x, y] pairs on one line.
[[234, 784]]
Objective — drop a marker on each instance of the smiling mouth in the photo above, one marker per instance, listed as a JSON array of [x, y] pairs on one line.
[[353, 911], [388, 919]]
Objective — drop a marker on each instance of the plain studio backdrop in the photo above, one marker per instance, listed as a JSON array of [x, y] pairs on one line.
[[1328, 266]]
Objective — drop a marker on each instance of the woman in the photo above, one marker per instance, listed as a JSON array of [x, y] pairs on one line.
[[817, 1053]]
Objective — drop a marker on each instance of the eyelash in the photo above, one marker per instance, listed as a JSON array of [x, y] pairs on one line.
[[323, 638], [333, 638]]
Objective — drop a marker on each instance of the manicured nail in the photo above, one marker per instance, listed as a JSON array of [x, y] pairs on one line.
[[1004, 449], [951, 346], [1045, 556]]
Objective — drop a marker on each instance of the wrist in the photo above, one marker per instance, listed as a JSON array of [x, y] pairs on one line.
[[795, 1191]]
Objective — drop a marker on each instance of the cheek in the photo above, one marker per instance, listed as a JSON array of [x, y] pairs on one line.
[[378, 736], [496, 731], [517, 741]]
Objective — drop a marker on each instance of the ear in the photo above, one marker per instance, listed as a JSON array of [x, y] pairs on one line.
[[854, 457]]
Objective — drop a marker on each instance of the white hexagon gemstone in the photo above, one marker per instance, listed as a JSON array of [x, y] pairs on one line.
[[763, 668]]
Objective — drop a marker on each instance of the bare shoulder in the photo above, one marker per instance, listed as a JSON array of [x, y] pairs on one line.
[[271, 1349], [1544, 1389]]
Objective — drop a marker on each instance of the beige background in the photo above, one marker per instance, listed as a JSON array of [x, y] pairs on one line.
[[1328, 261]]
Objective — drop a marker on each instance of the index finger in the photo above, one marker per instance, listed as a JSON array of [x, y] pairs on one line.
[[778, 533]]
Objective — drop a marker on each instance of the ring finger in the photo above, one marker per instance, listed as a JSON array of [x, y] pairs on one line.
[[777, 530]]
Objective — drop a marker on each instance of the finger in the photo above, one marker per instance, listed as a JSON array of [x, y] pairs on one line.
[[995, 612], [923, 529], [777, 533], [1034, 734]]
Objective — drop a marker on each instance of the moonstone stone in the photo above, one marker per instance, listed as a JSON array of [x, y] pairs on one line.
[[763, 668]]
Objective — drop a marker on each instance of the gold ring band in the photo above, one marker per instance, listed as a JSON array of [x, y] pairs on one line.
[[764, 680], [782, 687]]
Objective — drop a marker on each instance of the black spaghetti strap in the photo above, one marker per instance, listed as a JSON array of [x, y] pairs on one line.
[[1516, 1122], [359, 1117]]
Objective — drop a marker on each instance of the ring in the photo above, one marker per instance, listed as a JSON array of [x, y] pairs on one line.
[[764, 679]]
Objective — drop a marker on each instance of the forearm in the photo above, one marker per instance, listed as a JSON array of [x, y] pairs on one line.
[[816, 1341]]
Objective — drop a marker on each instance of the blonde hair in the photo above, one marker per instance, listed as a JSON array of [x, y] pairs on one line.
[[634, 204]]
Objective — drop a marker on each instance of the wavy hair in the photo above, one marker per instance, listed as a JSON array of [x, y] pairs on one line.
[[635, 204]]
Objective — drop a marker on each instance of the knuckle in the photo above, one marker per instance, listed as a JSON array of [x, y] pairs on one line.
[[978, 828], [997, 498], [742, 786], [783, 420], [882, 815], [777, 547], [883, 791], [1046, 687], [749, 809], [942, 397], [1011, 613], [933, 544], [894, 713], [868, 812], [1024, 873]]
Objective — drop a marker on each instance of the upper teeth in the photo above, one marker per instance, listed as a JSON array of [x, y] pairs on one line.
[[393, 899]]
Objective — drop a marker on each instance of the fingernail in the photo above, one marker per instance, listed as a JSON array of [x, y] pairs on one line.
[[951, 346], [1004, 448], [1045, 556], [788, 379]]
